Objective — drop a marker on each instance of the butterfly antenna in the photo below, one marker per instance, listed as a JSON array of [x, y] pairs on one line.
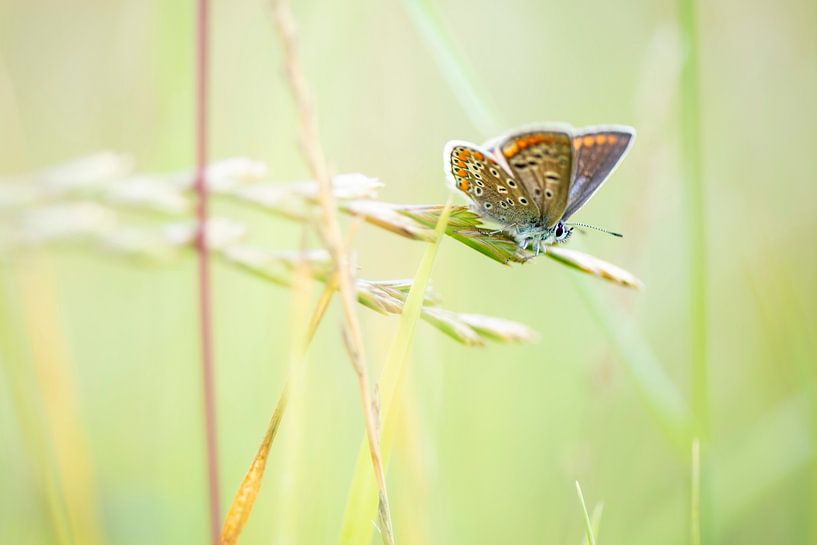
[[619, 235]]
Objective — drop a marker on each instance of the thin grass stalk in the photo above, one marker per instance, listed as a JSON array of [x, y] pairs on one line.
[[588, 525], [693, 185], [691, 158], [330, 230], [360, 507], [205, 306], [628, 340]]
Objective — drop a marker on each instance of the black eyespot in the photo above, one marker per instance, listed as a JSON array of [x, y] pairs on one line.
[[549, 194], [537, 191], [501, 189], [523, 201], [510, 183], [477, 191], [487, 205], [520, 165], [503, 204], [494, 172]]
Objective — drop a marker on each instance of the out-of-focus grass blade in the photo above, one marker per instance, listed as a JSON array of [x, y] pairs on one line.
[[695, 496], [655, 387], [362, 504], [593, 265], [588, 526], [450, 66]]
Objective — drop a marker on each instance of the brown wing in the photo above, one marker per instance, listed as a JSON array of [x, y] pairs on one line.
[[596, 152], [496, 194], [541, 159]]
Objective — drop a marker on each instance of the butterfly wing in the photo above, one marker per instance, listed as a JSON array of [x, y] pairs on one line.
[[541, 157], [596, 153], [496, 193]]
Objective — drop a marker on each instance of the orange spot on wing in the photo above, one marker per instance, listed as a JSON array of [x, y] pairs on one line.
[[577, 143], [601, 139], [611, 139], [464, 185], [479, 156], [460, 171], [510, 150], [588, 141]]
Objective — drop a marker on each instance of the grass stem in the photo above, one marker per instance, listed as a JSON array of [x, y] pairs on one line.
[[205, 303]]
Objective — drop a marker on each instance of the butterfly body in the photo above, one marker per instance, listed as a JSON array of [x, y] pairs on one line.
[[531, 180]]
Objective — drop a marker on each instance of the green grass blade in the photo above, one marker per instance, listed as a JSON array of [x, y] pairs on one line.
[[361, 506], [588, 526]]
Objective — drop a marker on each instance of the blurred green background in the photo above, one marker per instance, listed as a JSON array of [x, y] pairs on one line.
[[495, 437]]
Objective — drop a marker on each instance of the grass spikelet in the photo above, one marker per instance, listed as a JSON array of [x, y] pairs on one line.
[[499, 329], [450, 324], [594, 266], [390, 217], [83, 175], [464, 226]]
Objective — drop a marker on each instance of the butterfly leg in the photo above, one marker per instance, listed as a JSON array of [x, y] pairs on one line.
[[497, 231]]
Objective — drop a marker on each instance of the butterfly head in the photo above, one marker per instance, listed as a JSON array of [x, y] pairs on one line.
[[562, 232]]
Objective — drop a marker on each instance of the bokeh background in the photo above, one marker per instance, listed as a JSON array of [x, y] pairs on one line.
[[100, 402]]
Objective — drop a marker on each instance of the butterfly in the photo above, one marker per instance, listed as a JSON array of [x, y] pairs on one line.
[[530, 181]]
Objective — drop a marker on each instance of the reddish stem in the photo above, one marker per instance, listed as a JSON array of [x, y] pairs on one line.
[[205, 315]]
